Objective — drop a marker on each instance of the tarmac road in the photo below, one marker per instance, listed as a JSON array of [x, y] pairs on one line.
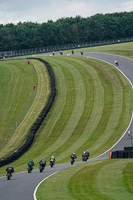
[[22, 185]]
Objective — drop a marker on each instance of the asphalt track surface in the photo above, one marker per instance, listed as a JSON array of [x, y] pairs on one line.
[[22, 185]]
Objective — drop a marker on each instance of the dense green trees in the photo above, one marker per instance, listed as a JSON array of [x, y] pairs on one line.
[[66, 31]]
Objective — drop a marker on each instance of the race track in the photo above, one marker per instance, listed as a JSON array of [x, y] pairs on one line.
[[22, 185]]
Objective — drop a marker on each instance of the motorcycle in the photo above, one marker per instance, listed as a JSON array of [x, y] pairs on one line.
[[41, 167], [72, 161], [116, 62], [9, 175], [30, 169], [51, 163], [84, 158]]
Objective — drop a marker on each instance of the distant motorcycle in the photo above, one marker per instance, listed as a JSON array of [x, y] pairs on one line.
[[42, 166], [84, 158], [51, 163], [72, 158], [30, 168], [72, 161], [116, 63], [9, 170]]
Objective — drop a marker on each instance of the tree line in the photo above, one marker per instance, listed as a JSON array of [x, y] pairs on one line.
[[66, 31]]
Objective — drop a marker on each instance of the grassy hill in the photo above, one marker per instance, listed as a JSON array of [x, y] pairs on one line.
[[97, 180], [91, 110], [20, 103]]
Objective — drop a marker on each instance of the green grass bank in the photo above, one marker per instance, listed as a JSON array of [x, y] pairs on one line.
[[97, 180]]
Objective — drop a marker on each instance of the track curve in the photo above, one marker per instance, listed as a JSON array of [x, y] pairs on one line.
[[22, 185]]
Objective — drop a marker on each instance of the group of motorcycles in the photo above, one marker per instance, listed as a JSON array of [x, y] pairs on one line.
[[30, 167], [41, 168], [42, 163], [85, 157]]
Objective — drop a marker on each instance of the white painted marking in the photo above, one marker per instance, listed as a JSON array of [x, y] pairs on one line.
[[34, 194]]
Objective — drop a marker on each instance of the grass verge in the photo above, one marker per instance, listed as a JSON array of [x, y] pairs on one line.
[[20, 103], [99, 180]]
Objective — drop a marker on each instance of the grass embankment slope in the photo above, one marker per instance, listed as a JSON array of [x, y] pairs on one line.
[[109, 179], [20, 104], [97, 180], [93, 99], [91, 111]]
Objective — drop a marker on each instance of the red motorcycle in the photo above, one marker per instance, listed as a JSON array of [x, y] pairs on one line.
[[116, 62]]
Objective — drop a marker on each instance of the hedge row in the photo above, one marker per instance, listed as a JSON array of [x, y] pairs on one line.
[[126, 153], [31, 135]]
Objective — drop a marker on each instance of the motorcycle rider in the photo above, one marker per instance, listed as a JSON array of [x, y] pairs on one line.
[[31, 164], [52, 159], [81, 52], [42, 162], [87, 154], [116, 62], [10, 169], [73, 156], [83, 156]]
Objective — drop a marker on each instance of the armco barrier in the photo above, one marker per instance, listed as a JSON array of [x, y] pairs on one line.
[[24, 52], [31, 135], [126, 153]]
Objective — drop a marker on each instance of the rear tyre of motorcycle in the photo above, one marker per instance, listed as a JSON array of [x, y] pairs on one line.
[[41, 169], [8, 176], [72, 161], [51, 164], [29, 170]]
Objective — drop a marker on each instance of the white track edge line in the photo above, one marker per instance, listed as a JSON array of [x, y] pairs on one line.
[[34, 194]]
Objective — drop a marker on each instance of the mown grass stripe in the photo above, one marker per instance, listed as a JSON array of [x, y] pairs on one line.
[[87, 108], [83, 135], [14, 86], [114, 121], [76, 112], [72, 118], [110, 112], [112, 184]]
